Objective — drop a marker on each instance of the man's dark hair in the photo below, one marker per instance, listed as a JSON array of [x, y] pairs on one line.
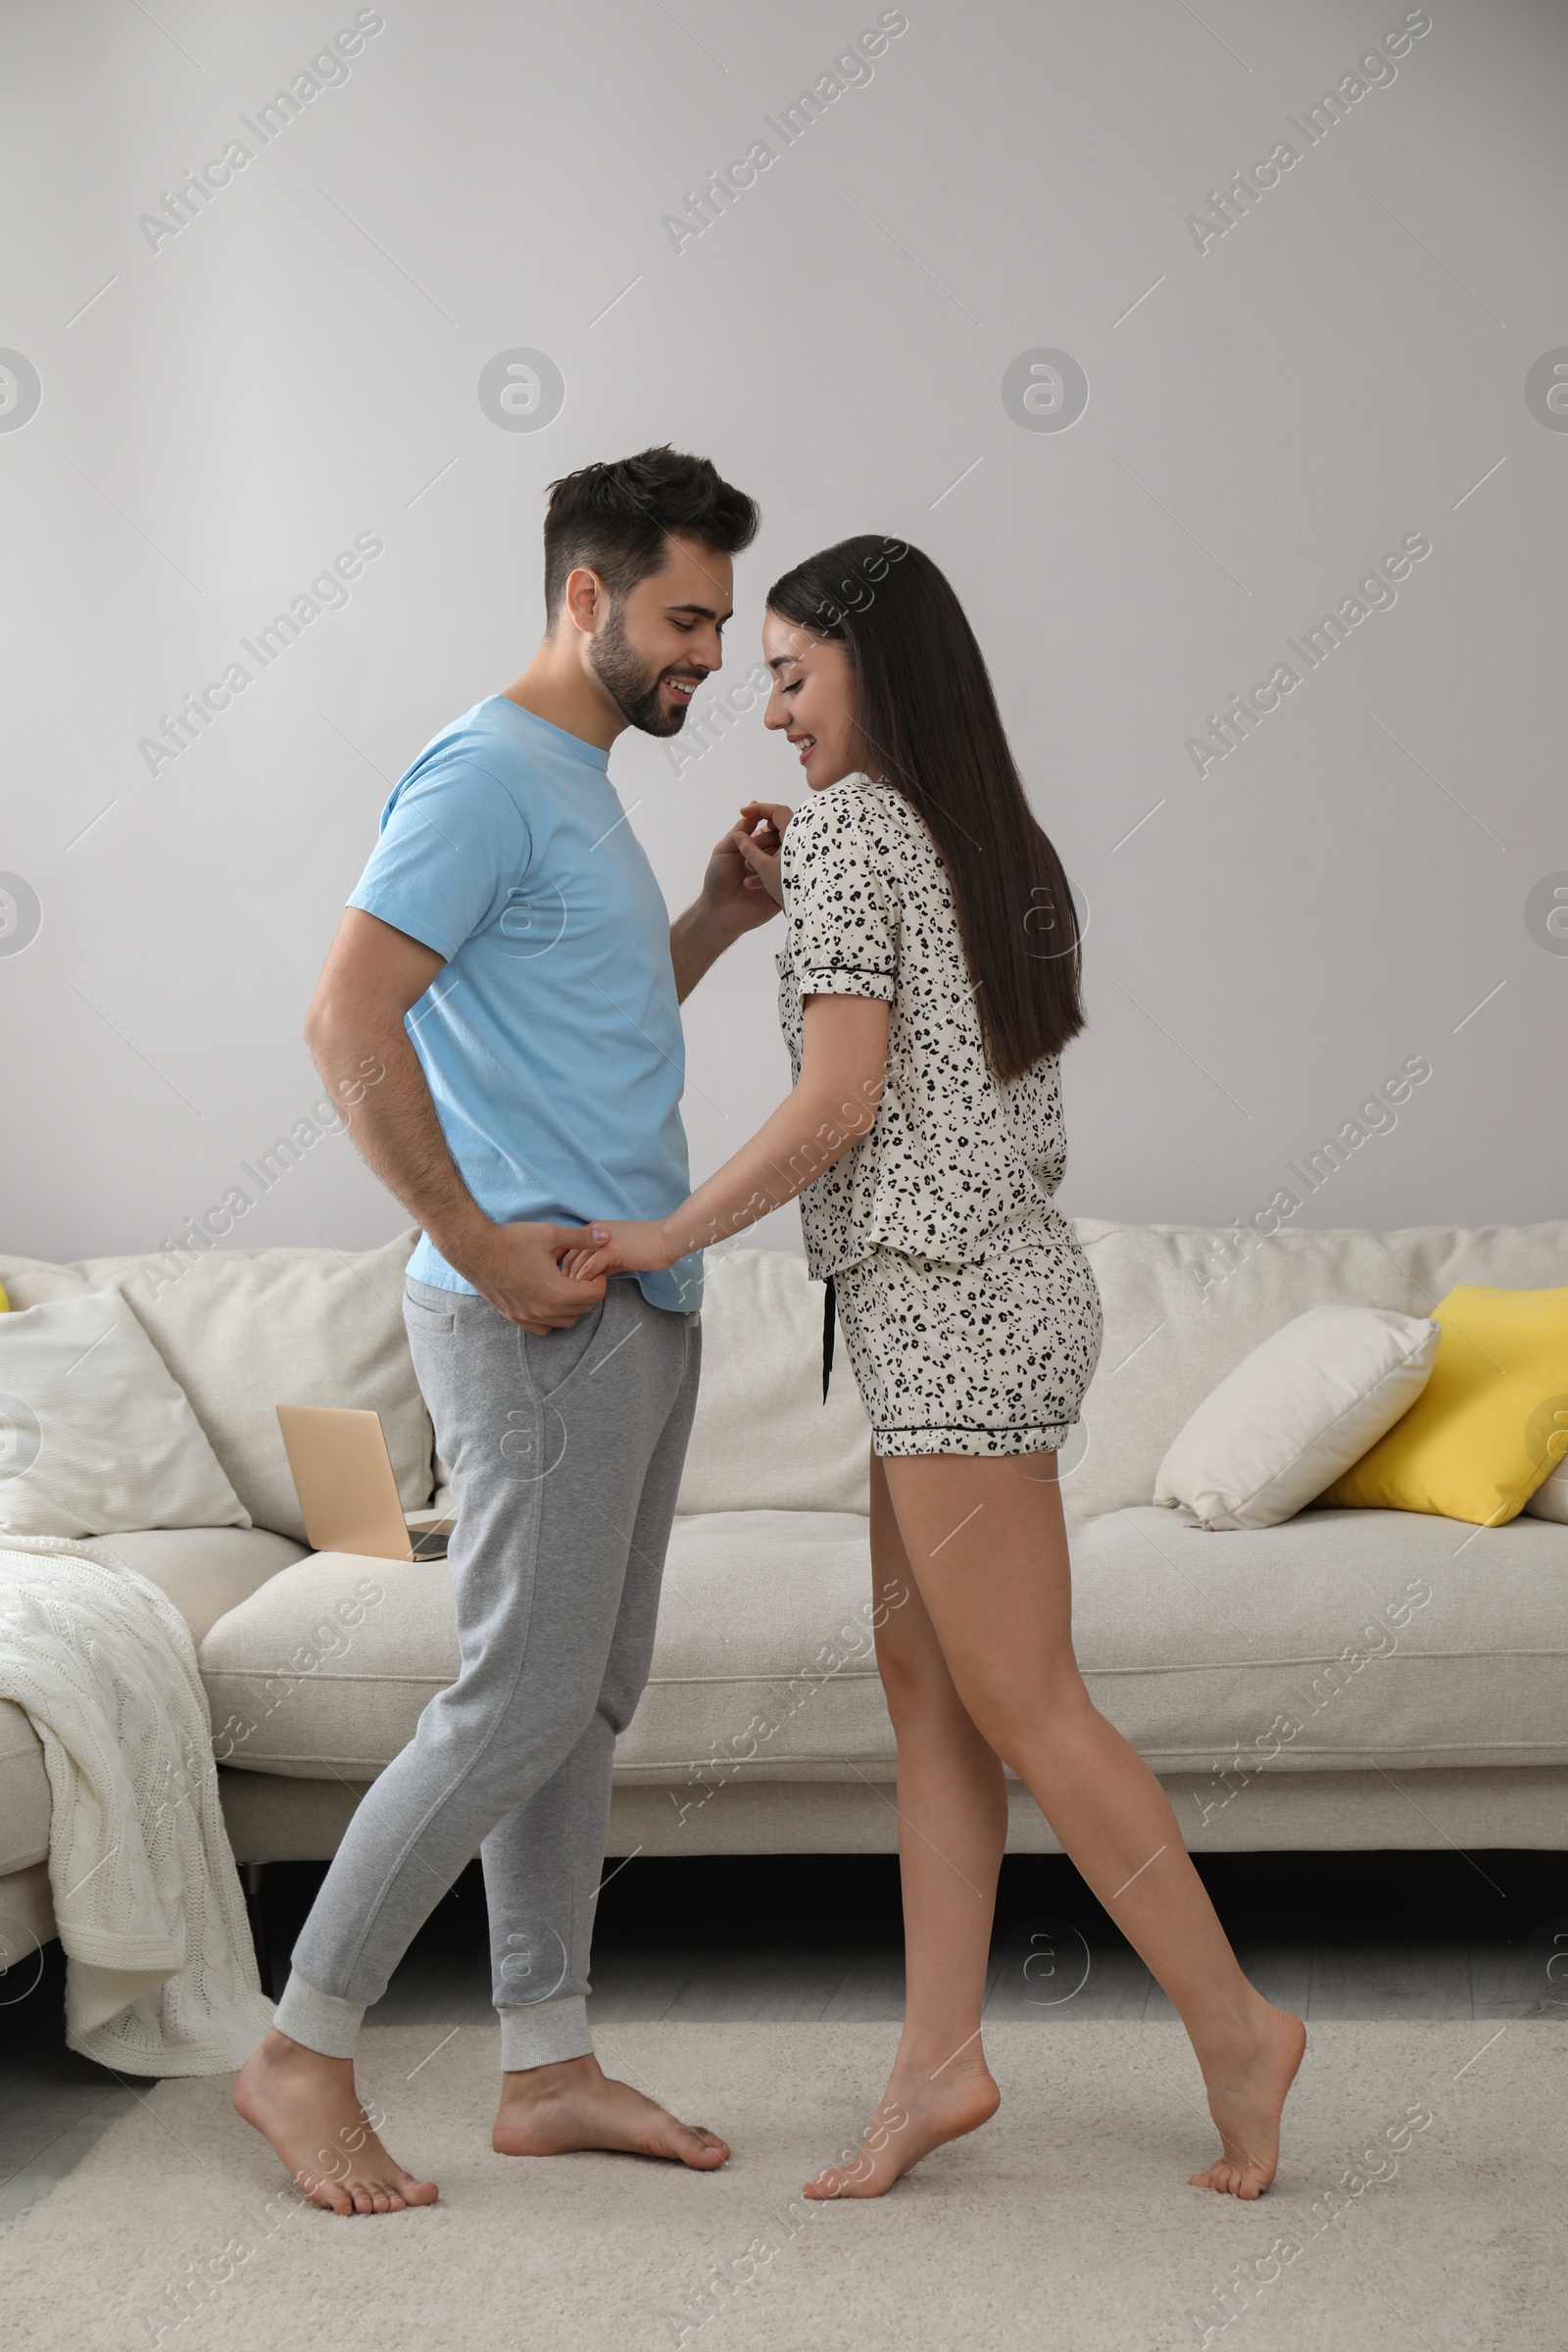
[[616, 519]]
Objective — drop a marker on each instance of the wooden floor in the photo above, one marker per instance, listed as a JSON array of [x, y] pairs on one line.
[[818, 1939]]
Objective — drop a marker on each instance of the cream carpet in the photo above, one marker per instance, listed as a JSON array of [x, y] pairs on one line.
[[1066, 2222]]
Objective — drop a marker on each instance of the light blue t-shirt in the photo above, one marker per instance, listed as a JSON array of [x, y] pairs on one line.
[[551, 1039]]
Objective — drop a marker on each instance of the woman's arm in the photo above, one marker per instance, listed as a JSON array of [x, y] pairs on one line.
[[843, 1056]]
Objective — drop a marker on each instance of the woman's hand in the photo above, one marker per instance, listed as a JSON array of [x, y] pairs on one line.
[[735, 895], [628, 1245], [759, 838]]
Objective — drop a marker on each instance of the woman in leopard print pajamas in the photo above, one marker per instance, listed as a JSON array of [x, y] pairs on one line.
[[971, 1314], [928, 984]]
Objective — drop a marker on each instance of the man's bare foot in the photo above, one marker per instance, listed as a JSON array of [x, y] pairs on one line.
[[919, 2111], [307, 2106], [1246, 2094], [551, 2110]]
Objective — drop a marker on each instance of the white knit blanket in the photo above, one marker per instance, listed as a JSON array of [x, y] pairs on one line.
[[161, 1975]]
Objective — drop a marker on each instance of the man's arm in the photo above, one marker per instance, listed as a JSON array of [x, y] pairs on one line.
[[373, 974], [733, 899]]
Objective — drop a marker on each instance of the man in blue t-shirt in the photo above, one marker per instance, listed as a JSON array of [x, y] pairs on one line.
[[508, 959]]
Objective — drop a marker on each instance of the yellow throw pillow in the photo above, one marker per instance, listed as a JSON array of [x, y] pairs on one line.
[[1483, 1434], [4, 1303]]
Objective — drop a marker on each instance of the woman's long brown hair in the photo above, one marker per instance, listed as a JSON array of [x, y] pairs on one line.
[[927, 716]]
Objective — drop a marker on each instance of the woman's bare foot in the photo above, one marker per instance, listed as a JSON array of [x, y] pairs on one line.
[[550, 2110], [306, 2105], [1246, 2094], [919, 2111]]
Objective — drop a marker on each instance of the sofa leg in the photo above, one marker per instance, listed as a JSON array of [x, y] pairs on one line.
[[254, 1874]]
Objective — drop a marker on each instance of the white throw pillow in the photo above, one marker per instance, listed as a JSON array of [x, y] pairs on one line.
[[1296, 1412], [96, 1437]]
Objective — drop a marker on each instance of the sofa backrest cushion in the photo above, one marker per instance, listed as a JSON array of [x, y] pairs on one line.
[[102, 1439], [764, 1439], [1184, 1304], [204, 1571], [246, 1330], [34, 1281]]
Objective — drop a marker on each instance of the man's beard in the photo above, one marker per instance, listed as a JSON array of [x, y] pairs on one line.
[[630, 684]]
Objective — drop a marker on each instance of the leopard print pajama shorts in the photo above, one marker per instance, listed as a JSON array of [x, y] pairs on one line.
[[988, 1359]]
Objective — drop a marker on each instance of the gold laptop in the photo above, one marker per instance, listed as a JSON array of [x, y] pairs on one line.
[[348, 1490]]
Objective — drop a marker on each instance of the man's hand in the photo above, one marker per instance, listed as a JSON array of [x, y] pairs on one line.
[[628, 1245], [517, 1268], [735, 897], [761, 846], [735, 892]]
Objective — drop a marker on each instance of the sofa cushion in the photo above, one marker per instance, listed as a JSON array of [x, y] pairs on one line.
[[789, 1690], [1386, 1637], [1550, 1499], [324, 1669], [24, 1793], [764, 1439], [1184, 1304], [204, 1571], [756, 1607], [34, 1282], [245, 1330]]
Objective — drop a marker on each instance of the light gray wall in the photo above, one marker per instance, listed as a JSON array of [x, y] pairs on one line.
[[1270, 412]]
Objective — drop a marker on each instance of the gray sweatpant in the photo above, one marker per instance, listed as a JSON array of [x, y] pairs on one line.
[[566, 1453]]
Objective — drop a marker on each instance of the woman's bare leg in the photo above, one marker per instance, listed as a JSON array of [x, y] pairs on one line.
[[988, 1547], [953, 1825]]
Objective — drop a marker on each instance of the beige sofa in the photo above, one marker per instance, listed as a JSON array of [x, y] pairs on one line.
[[1353, 1679]]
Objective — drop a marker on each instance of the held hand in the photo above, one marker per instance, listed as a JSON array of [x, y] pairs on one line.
[[759, 839], [735, 886], [519, 1269], [624, 1247]]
